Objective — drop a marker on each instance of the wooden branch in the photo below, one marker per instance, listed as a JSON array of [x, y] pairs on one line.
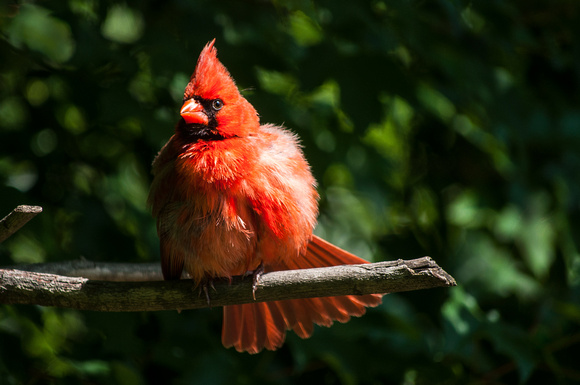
[[99, 271], [12, 222], [21, 287], [87, 285]]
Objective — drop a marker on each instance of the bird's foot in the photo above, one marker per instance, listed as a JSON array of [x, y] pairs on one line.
[[256, 274], [204, 286]]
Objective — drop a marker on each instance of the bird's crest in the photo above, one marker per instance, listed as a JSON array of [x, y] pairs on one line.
[[211, 79]]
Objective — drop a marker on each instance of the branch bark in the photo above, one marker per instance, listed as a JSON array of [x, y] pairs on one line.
[[12, 222], [22, 287], [98, 271]]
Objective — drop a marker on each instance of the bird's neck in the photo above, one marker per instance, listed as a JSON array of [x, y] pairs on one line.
[[220, 163]]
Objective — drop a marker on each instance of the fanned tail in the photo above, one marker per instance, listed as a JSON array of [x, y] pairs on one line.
[[252, 327]]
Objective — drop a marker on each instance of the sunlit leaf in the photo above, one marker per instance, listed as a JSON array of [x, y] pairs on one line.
[[304, 30], [123, 24], [34, 27]]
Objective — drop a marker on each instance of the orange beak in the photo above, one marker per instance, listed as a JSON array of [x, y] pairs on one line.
[[193, 113]]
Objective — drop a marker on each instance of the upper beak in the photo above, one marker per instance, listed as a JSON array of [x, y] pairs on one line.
[[193, 113]]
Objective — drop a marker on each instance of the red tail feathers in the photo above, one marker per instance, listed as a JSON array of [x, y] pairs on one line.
[[252, 327]]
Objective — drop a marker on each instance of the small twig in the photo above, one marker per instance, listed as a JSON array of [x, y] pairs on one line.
[[12, 222], [20, 287]]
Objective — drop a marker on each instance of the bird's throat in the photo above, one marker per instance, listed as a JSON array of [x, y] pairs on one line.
[[193, 132]]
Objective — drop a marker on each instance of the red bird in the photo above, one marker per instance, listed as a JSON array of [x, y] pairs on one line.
[[232, 196]]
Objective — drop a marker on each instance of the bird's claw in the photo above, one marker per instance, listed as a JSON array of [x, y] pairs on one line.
[[204, 286], [256, 274]]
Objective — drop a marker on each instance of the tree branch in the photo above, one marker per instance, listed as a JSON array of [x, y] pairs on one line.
[[12, 222], [22, 287], [87, 285], [98, 271]]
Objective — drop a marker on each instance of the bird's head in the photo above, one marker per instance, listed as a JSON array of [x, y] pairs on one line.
[[213, 108]]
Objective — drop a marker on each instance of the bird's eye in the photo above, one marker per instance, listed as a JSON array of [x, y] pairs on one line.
[[217, 104]]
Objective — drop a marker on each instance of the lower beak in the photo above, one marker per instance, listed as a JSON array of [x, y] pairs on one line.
[[193, 113]]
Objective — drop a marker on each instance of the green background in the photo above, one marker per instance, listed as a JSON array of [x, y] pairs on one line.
[[441, 128]]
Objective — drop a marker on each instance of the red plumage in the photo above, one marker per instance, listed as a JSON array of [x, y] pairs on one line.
[[230, 194]]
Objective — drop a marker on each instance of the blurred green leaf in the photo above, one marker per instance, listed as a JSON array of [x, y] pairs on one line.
[[12, 113], [34, 27], [276, 82], [304, 30], [537, 236], [122, 24]]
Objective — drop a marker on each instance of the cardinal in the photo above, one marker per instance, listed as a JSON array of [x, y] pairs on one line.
[[232, 196]]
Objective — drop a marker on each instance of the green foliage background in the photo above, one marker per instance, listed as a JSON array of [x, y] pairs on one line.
[[441, 128]]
